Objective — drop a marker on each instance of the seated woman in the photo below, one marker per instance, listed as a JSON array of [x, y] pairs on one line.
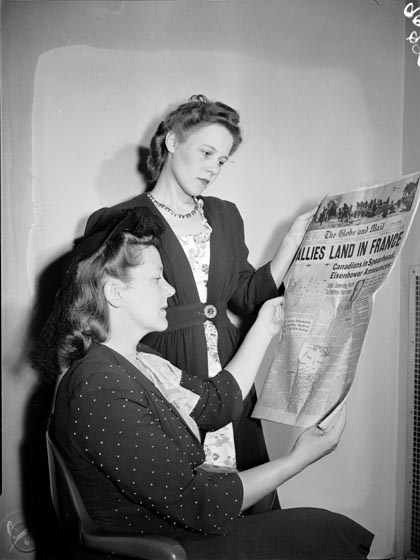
[[130, 424]]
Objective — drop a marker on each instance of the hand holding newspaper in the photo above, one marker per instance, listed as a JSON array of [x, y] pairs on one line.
[[346, 254]]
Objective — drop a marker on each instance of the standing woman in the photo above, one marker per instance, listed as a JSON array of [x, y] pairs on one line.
[[205, 258]]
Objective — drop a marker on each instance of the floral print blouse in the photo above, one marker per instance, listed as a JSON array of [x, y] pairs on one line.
[[219, 446]]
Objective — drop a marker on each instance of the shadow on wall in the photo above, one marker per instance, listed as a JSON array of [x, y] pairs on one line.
[[39, 514], [125, 172], [142, 156]]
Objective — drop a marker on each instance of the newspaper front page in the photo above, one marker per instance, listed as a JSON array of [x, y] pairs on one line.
[[346, 254]]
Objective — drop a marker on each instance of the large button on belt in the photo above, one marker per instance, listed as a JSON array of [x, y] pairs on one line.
[[210, 311]]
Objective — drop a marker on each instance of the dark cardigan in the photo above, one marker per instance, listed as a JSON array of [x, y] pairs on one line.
[[232, 283], [134, 459]]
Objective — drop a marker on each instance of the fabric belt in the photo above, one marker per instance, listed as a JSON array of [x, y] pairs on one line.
[[180, 316]]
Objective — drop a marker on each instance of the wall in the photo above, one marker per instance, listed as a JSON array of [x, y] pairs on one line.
[[320, 89], [410, 256]]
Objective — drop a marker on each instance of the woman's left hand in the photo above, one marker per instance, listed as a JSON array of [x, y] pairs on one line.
[[299, 226], [289, 245]]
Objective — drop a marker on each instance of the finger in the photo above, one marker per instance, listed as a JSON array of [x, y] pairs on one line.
[[337, 421], [342, 417], [279, 309], [338, 426], [279, 314], [275, 302]]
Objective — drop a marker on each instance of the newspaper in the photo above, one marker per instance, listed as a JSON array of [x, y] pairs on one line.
[[347, 252]]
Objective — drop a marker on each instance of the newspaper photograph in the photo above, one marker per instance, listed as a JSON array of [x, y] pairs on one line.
[[347, 252]]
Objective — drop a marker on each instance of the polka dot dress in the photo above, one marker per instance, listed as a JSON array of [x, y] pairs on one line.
[[137, 463]]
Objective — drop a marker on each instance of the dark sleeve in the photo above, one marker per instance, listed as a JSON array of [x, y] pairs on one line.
[[119, 430], [254, 287], [220, 400]]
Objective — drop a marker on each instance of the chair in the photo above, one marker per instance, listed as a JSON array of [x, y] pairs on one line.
[[82, 536]]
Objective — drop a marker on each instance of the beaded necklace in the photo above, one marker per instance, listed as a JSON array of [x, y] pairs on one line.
[[171, 212]]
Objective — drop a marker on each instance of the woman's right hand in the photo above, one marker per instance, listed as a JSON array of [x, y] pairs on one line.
[[271, 315], [314, 442]]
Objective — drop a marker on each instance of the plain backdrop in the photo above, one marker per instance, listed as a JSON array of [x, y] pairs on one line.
[[329, 97]]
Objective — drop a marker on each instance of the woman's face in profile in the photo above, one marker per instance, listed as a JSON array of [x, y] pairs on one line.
[[197, 160], [144, 297]]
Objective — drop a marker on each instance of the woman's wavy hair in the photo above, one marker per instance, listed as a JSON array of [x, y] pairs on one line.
[[80, 315], [197, 112], [88, 313]]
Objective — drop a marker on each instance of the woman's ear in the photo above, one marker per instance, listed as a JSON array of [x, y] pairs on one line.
[[113, 291], [171, 141]]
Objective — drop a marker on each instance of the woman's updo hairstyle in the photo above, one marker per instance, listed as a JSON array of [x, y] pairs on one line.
[[88, 314], [198, 111]]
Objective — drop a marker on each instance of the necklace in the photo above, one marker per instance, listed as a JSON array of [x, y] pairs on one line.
[[171, 212]]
